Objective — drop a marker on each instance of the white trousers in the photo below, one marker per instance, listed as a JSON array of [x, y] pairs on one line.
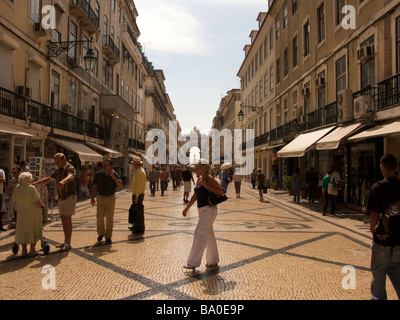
[[204, 238]]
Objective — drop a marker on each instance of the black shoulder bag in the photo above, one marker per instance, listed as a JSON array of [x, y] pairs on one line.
[[214, 199]]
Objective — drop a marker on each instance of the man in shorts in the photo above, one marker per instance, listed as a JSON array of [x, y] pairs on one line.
[[187, 183], [66, 191]]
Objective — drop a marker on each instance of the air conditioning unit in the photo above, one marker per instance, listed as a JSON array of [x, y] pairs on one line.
[[320, 82], [83, 114], [67, 108], [365, 53], [39, 28], [345, 106], [362, 107], [24, 91], [306, 91]]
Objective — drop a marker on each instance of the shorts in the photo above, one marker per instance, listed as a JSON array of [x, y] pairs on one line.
[[67, 207], [187, 186]]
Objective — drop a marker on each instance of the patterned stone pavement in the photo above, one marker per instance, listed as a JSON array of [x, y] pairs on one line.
[[276, 250]]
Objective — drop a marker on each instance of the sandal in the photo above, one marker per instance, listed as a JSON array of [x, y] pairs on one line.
[[189, 267], [215, 265]]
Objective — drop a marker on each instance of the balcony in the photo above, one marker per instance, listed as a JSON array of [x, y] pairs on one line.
[[110, 49], [67, 122], [135, 144], [83, 10], [13, 105], [323, 116], [388, 93]]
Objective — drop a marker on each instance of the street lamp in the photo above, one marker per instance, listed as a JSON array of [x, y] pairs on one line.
[[56, 48], [90, 60], [241, 113]]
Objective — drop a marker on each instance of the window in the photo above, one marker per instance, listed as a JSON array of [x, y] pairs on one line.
[[265, 47], [265, 122], [266, 84], [278, 71], [271, 79], [261, 90], [71, 95], [278, 115], [285, 15], [271, 38], [271, 117], [306, 31], [294, 6], [368, 67], [339, 15], [295, 52], [321, 23], [321, 93], [277, 28], [286, 62], [36, 10], [341, 82], [73, 37], [84, 103], [97, 9], [307, 100], [285, 111], [96, 65], [295, 104], [55, 90]]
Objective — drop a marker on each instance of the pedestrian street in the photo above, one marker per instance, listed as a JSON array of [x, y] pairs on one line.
[[275, 250]]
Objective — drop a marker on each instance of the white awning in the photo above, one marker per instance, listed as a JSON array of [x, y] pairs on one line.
[[84, 152], [378, 131], [298, 147], [332, 140], [7, 130], [111, 152]]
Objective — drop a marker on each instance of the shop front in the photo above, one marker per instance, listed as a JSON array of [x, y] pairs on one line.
[[85, 160], [17, 146]]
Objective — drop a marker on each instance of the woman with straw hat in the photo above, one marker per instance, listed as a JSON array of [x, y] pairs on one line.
[[204, 238]]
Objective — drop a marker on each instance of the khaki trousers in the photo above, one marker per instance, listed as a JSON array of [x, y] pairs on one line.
[[105, 210]]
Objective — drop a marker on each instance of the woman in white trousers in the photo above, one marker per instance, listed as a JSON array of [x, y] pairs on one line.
[[204, 238]]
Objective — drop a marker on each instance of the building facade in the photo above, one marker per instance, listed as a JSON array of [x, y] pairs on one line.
[[50, 102], [317, 81]]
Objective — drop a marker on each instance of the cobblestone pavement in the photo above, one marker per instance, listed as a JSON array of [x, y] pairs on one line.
[[276, 250]]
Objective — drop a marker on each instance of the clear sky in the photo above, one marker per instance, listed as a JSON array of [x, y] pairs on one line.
[[199, 45]]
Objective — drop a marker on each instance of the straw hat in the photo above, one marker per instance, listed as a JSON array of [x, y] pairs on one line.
[[137, 161]]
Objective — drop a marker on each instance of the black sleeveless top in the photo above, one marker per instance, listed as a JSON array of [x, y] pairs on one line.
[[202, 196]]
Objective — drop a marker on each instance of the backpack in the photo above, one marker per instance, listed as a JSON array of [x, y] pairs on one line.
[[391, 219]]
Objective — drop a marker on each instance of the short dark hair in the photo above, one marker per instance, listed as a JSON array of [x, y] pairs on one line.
[[389, 161]]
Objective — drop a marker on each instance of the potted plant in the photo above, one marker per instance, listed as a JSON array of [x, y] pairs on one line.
[[268, 183], [275, 184], [287, 182]]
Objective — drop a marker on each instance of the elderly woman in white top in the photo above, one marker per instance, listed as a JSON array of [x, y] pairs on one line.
[[29, 223]]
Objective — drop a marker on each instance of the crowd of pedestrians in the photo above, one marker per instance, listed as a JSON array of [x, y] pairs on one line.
[[383, 205]]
